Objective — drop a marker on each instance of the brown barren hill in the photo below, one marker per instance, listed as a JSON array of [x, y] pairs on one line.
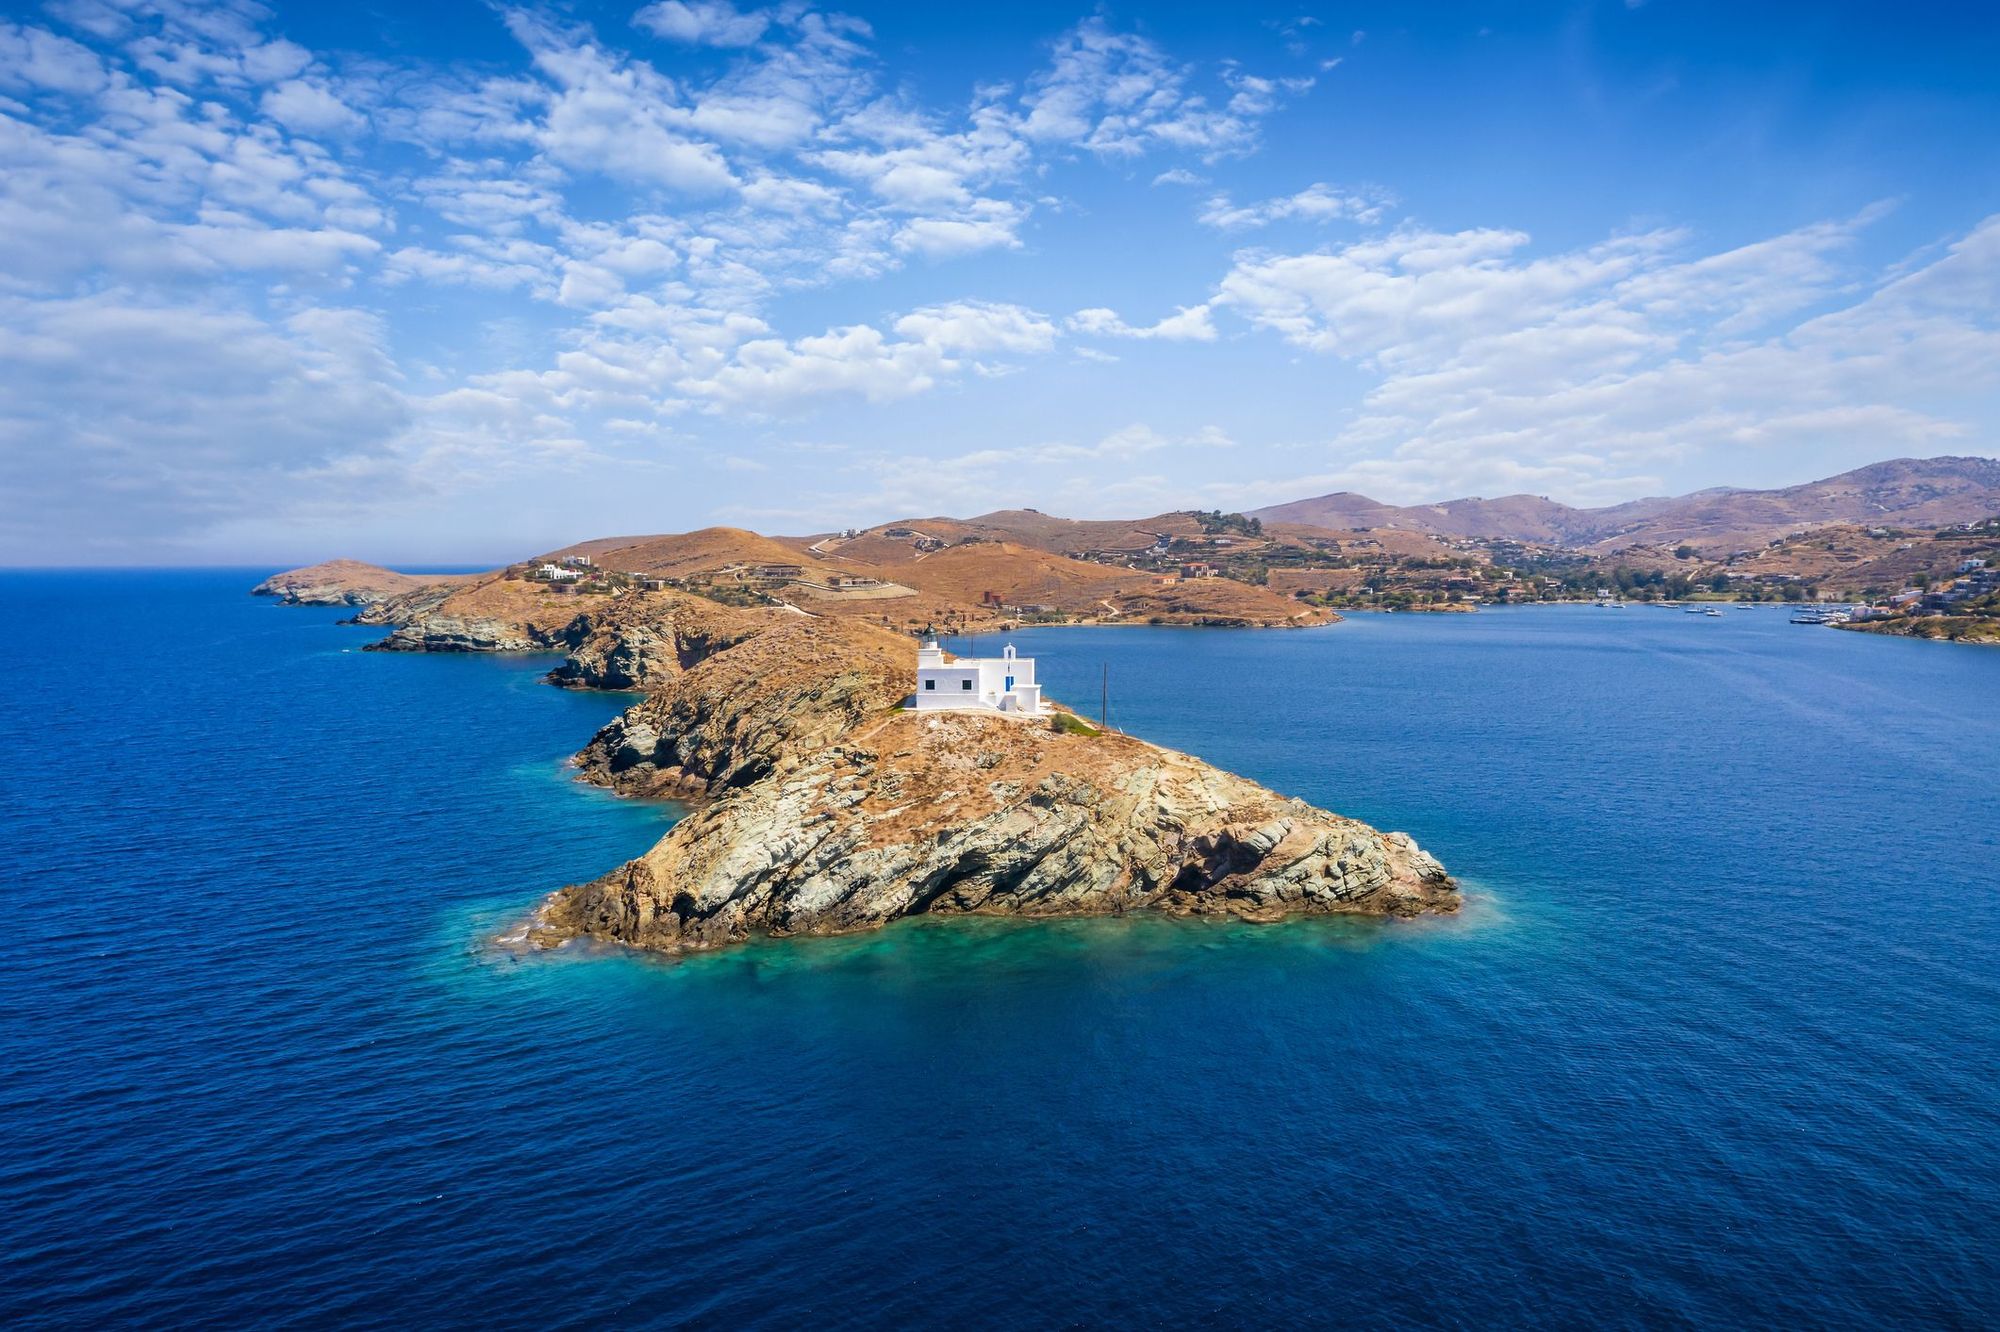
[[685, 554], [1028, 578], [1914, 491], [1022, 575]]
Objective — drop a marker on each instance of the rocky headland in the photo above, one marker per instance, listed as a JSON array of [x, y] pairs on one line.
[[347, 583], [819, 806]]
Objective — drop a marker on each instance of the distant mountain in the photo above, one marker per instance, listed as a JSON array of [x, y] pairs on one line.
[[1918, 492]]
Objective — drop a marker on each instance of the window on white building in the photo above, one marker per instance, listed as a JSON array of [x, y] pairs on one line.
[[930, 684], [965, 684]]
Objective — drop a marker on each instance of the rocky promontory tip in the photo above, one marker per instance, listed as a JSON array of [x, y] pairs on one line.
[[346, 583], [958, 813]]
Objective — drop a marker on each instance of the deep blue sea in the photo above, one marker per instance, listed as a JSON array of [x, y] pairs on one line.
[[1716, 1041]]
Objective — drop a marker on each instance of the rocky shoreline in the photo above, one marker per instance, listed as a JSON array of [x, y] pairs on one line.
[[1975, 629], [820, 806]]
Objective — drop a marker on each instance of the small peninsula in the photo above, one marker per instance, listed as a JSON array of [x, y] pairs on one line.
[[345, 583], [821, 804]]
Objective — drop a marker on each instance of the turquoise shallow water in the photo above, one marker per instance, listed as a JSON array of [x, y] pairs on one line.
[[1716, 1041]]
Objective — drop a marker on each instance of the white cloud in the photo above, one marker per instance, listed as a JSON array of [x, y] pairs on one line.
[[946, 237], [1586, 373], [1402, 297], [909, 164], [492, 205], [1191, 323], [792, 195], [458, 268], [1118, 94], [157, 186], [298, 249], [1315, 203], [310, 107], [979, 326], [443, 113], [786, 93], [37, 60], [566, 253], [703, 22], [618, 116], [932, 345], [771, 374]]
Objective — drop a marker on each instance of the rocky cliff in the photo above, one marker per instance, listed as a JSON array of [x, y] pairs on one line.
[[979, 814], [822, 807], [783, 694], [626, 640]]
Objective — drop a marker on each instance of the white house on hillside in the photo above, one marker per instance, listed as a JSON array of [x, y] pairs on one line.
[[1005, 683]]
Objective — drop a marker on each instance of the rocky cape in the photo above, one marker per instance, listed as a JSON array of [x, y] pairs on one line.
[[818, 805], [821, 806], [347, 583]]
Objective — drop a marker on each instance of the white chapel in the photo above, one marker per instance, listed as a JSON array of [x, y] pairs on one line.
[[1005, 683]]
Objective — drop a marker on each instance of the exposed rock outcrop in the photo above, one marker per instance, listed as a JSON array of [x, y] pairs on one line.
[[822, 807], [652, 641], [454, 633], [631, 640], [968, 813], [404, 607], [788, 692]]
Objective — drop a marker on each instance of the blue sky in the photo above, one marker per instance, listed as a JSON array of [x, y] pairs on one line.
[[454, 281]]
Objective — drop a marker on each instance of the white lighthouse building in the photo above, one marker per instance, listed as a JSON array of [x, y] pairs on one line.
[[1005, 683]]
